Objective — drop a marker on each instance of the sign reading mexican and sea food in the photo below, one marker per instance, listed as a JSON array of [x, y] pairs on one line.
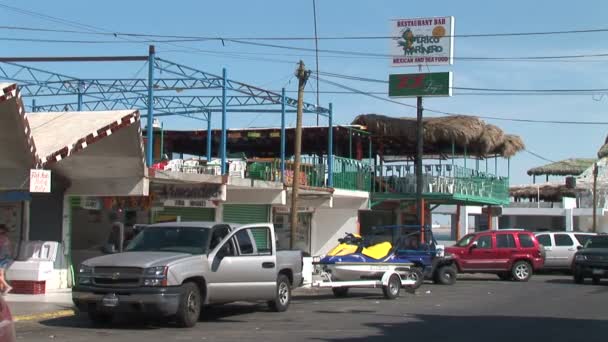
[[422, 41], [424, 84]]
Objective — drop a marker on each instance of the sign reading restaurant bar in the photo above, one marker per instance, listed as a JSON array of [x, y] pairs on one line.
[[425, 84], [422, 41]]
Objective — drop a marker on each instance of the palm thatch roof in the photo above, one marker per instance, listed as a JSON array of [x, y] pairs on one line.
[[479, 138], [567, 167], [603, 152], [548, 192]]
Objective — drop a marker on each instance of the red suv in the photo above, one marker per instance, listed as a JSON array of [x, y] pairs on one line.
[[511, 254]]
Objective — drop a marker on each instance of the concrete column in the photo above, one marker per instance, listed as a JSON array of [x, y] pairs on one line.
[[495, 222], [569, 217], [464, 221]]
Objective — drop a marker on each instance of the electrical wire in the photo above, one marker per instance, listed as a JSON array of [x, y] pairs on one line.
[[455, 114], [217, 38]]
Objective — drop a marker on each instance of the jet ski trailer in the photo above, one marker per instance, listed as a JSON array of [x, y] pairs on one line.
[[390, 277]]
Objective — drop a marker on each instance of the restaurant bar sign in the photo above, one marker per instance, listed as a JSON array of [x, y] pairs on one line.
[[424, 84], [422, 41]]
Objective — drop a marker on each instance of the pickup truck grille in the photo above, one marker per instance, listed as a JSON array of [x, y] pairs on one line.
[[117, 276]]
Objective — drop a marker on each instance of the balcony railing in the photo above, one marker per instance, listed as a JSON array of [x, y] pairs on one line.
[[451, 181], [348, 174]]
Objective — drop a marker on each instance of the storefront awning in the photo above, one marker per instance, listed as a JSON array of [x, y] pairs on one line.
[[17, 152], [99, 153]]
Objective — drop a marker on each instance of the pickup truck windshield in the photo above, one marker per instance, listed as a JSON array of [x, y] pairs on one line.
[[597, 242], [191, 240]]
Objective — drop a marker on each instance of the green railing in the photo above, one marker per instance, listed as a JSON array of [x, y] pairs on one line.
[[351, 174], [348, 174], [451, 181]]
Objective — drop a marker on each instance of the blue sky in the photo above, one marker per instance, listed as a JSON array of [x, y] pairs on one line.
[[362, 18]]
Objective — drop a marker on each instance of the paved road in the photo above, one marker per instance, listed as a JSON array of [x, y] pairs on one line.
[[548, 308]]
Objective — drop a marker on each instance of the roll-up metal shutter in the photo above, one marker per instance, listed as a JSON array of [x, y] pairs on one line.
[[246, 213]]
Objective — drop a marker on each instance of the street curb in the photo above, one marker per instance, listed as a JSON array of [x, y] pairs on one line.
[[44, 315]]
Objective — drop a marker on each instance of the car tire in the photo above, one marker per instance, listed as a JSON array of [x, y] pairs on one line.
[[101, 318], [505, 276], [416, 275], [392, 289], [282, 295], [596, 280], [521, 271], [340, 292], [445, 275], [189, 309]]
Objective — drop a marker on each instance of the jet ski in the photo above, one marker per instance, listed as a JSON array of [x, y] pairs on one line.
[[354, 258]]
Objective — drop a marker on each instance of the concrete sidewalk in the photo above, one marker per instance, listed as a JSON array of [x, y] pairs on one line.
[[35, 307]]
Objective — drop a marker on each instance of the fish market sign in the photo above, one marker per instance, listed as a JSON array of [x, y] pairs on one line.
[[422, 41]]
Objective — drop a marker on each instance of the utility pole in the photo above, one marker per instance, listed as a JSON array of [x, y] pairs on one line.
[[595, 197], [302, 74], [419, 154], [314, 11]]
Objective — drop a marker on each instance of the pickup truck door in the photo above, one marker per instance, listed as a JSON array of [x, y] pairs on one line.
[[243, 266]]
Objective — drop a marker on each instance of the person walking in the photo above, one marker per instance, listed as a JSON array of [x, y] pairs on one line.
[[6, 257]]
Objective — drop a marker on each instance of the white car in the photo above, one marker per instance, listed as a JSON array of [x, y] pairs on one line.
[[560, 247]]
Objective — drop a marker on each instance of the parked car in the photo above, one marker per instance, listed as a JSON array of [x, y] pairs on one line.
[[511, 254], [7, 326], [173, 269], [591, 260], [560, 247]]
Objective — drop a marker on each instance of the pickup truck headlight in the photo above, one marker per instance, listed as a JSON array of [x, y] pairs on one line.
[[84, 274], [580, 257], [155, 276]]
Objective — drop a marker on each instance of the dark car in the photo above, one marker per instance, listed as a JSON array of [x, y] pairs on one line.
[[591, 261], [511, 254]]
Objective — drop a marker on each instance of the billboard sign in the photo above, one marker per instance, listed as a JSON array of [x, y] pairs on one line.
[[422, 41], [424, 84]]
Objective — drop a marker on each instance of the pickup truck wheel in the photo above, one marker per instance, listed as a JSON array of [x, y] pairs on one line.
[[98, 317], [340, 292], [282, 296], [522, 271], [189, 308], [445, 275], [391, 291]]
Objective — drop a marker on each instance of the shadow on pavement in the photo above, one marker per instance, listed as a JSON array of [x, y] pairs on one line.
[[216, 314], [483, 328]]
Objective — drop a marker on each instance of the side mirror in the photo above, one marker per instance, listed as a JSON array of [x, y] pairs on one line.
[[473, 245], [578, 248]]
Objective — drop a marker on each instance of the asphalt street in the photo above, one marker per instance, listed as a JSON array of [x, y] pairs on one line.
[[548, 308]]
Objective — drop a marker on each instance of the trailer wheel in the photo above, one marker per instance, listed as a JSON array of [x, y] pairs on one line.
[[340, 292], [391, 291]]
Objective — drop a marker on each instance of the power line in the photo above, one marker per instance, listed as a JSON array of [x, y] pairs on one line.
[[515, 91], [539, 156], [456, 114], [286, 38]]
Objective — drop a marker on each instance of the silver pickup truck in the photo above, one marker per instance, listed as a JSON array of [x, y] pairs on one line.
[[174, 269]]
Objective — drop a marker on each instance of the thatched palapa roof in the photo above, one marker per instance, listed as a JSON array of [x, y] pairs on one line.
[[567, 167], [603, 152], [548, 192], [481, 139]]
